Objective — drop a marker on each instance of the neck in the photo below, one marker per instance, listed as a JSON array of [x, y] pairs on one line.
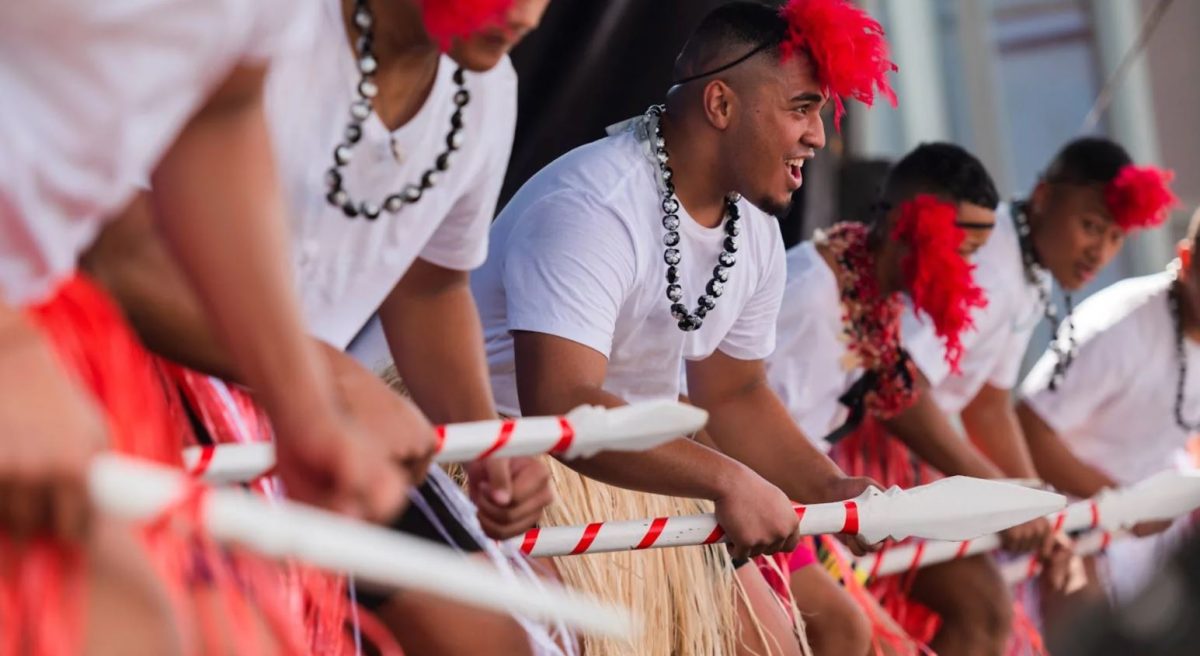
[[697, 184], [887, 265], [407, 58]]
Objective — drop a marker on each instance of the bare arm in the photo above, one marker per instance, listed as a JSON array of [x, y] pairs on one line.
[[219, 206], [1055, 462], [991, 423], [434, 334], [132, 262], [748, 422], [928, 432], [555, 375]]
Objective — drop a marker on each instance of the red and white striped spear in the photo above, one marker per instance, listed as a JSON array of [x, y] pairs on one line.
[[583, 432], [1166, 495], [138, 490], [952, 508]]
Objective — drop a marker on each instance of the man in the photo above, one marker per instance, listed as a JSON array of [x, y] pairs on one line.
[[583, 301], [840, 338], [1071, 226], [178, 103], [1127, 406]]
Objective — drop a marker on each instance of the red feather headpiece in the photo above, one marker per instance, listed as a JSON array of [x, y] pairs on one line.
[[847, 49], [446, 20], [1140, 197], [940, 281]]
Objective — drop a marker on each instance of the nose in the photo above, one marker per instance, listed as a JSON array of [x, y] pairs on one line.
[[814, 136]]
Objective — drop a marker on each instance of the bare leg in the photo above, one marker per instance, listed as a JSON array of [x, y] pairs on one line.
[[836, 625], [974, 603], [777, 636]]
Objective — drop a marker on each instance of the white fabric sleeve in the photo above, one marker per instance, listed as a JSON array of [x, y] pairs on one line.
[[569, 265], [1007, 369], [924, 346], [281, 27], [461, 239], [752, 335], [1098, 374]]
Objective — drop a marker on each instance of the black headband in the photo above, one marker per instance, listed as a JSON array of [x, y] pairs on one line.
[[721, 69]]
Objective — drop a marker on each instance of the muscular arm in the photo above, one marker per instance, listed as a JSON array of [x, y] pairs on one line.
[[748, 422], [555, 375], [1054, 461], [991, 423], [434, 334], [927, 431]]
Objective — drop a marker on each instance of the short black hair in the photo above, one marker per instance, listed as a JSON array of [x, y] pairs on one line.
[[1087, 161], [728, 32], [941, 169]]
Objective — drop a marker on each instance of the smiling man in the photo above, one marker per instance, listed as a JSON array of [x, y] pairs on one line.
[[1088, 200], [583, 301]]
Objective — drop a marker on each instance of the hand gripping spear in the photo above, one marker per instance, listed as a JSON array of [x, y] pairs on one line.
[[952, 508], [583, 432], [1166, 495]]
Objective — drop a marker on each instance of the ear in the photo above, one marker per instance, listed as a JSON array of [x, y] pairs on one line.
[[1040, 197], [718, 104], [1184, 250]]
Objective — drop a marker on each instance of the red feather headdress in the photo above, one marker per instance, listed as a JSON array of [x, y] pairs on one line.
[[940, 281], [1140, 197], [446, 20], [847, 48]]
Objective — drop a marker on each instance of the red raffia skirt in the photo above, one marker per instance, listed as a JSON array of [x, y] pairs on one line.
[[42, 583]]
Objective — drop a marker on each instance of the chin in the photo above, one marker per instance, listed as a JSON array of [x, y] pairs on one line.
[[477, 58], [775, 206]]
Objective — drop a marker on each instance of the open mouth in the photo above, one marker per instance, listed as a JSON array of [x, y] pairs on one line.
[[795, 166]]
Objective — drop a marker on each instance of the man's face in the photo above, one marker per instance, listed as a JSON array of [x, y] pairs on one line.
[[1076, 236], [483, 50], [977, 222], [776, 129]]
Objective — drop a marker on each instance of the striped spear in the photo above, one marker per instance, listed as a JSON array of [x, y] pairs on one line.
[[583, 432], [951, 508]]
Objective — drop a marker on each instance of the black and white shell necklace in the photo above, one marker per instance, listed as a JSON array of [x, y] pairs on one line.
[[1063, 354], [1181, 359], [706, 302], [361, 109]]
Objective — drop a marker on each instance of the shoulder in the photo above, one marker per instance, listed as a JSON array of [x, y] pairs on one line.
[[1134, 308]]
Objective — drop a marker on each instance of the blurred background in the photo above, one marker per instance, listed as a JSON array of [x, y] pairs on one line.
[[1010, 80]]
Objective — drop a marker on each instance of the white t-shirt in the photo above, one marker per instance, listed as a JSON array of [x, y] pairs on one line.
[[1115, 408], [578, 253], [92, 94], [808, 368], [993, 349], [345, 267]]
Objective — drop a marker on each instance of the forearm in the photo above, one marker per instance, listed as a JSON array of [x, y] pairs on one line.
[[991, 423], [436, 342], [753, 427], [223, 218], [1055, 463], [130, 260], [927, 431], [681, 468]]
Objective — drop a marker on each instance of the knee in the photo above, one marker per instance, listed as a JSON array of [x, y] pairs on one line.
[[988, 616], [841, 630]]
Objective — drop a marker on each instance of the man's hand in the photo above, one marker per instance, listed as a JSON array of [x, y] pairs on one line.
[[843, 489], [510, 493], [49, 430], [1063, 570], [1146, 529], [363, 461], [1034, 535], [757, 517]]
